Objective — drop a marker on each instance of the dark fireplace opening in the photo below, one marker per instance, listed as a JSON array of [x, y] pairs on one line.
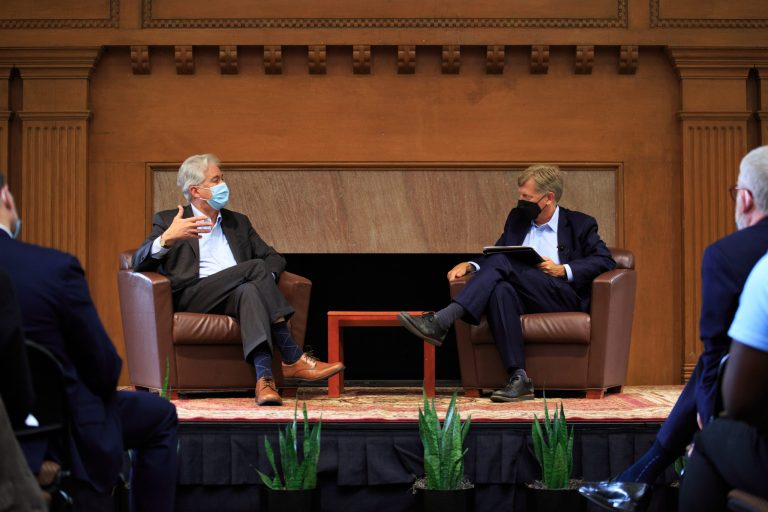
[[379, 282]]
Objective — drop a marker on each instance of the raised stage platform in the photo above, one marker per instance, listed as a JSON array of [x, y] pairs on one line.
[[371, 452]]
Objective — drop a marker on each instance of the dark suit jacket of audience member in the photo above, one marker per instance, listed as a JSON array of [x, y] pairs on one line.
[[15, 381], [59, 314], [724, 270], [182, 262], [578, 244]]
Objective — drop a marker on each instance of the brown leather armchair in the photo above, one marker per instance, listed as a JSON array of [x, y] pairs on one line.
[[563, 351], [204, 351]]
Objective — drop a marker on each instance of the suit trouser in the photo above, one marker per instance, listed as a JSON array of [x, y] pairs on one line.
[[504, 289], [247, 292], [149, 426], [18, 488], [728, 454]]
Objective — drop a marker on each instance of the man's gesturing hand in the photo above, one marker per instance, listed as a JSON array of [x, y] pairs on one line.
[[550, 267], [184, 229], [459, 270]]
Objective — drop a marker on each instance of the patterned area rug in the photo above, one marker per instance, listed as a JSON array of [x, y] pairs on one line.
[[634, 404]]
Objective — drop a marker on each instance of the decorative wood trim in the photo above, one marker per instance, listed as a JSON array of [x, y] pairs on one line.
[[657, 21], [83, 115], [618, 21], [539, 59], [54, 183], [629, 56], [273, 59], [712, 150], [495, 56], [361, 59], [140, 60], [585, 57], [406, 59], [716, 62], [316, 59], [451, 59], [52, 62], [113, 21], [185, 59], [228, 60]]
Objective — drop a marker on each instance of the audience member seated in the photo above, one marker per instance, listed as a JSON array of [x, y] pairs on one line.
[[732, 451], [18, 488], [58, 313], [217, 263], [724, 270]]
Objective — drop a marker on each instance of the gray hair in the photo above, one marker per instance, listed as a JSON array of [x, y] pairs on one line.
[[192, 171], [753, 175], [546, 177]]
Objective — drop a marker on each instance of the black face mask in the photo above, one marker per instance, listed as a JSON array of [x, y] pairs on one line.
[[529, 209]]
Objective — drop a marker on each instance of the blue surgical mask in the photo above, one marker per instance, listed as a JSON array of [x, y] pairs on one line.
[[16, 229], [219, 196]]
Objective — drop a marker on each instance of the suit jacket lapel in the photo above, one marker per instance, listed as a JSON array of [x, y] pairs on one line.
[[193, 242], [231, 234], [563, 236]]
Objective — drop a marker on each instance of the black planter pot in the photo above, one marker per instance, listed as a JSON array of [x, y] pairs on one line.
[[460, 500], [293, 501], [548, 500]]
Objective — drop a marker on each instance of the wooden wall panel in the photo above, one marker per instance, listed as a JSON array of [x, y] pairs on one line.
[[52, 14], [54, 182], [387, 117]]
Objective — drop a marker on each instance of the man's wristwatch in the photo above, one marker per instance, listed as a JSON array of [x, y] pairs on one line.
[[163, 244]]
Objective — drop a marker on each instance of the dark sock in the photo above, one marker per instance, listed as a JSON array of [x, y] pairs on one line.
[[281, 337], [261, 359], [449, 314], [517, 371], [649, 466]]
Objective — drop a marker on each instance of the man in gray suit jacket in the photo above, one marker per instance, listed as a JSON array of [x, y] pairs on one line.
[[217, 263]]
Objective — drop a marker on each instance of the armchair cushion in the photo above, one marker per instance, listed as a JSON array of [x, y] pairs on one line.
[[205, 329]]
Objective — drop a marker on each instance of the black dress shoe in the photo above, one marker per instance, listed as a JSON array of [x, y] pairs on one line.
[[625, 496], [424, 326], [519, 386]]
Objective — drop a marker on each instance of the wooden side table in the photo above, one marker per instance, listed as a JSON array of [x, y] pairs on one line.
[[340, 319]]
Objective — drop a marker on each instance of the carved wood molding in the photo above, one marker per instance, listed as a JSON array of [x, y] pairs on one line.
[[273, 59], [361, 59], [406, 59], [658, 22], [149, 21], [585, 57], [539, 59], [140, 60], [629, 55], [48, 62], [112, 21], [716, 62], [82, 115], [451, 59], [494, 59], [316, 55], [185, 59], [228, 60]]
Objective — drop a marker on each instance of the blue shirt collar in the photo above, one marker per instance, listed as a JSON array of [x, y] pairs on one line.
[[552, 223]]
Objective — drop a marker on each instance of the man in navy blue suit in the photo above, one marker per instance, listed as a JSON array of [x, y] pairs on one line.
[[59, 314], [504, 288], [724, 271]]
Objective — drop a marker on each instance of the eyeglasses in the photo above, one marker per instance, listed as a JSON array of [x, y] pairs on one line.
[[735, 188]]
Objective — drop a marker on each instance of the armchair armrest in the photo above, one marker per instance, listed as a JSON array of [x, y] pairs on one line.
[[297, 290], [146, 308], [612, 312]]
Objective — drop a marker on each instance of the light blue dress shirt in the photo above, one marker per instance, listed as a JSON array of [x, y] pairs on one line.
[[543, 239]]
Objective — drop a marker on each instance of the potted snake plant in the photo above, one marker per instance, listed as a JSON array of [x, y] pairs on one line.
[[553, 448], [293, 488], [444, 486]]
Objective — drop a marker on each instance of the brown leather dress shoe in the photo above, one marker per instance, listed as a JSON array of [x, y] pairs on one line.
[[310, 368], [266, 392]]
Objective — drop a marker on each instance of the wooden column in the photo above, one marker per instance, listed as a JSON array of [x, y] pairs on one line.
[[714, 135], [54, 117], [5, 115], [763, 113]]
